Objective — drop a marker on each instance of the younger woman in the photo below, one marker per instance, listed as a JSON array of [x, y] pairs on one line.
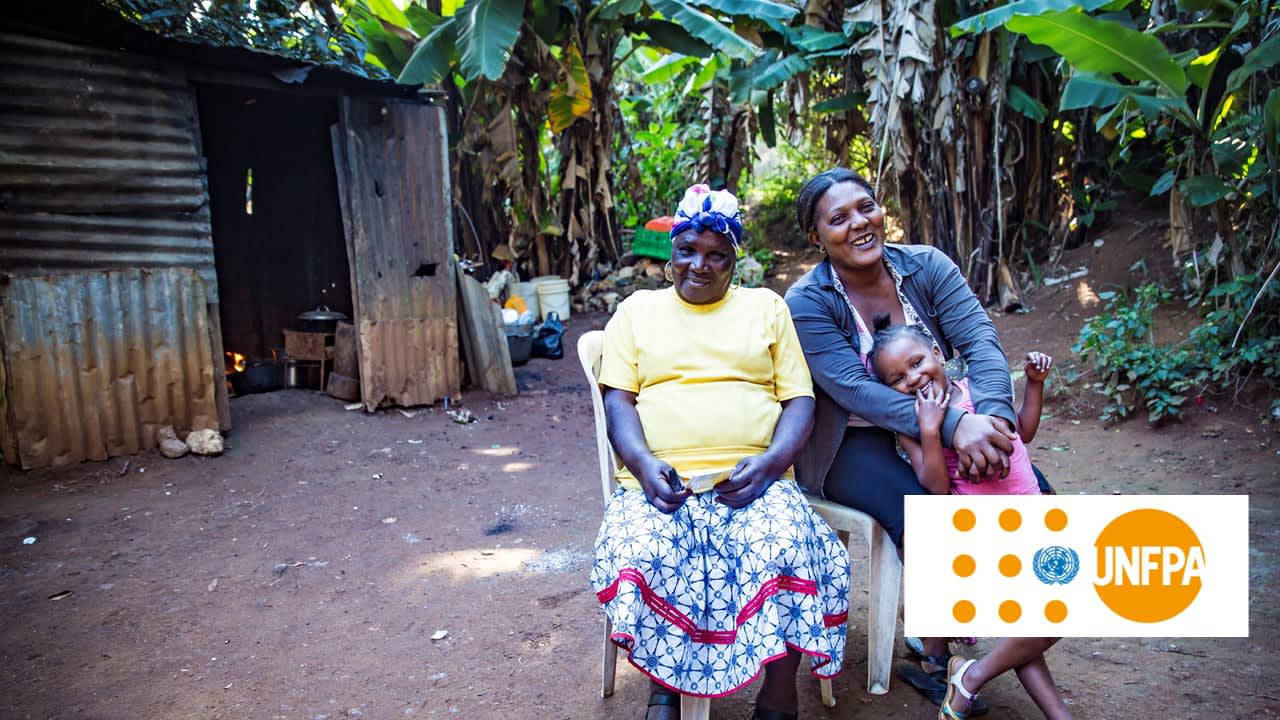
[[905, 358]]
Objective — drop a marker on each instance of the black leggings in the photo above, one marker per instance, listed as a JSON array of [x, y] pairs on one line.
[[869, 475]]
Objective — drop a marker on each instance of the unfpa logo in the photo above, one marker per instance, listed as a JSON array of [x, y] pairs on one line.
[[1150, 565], [1082, 566]]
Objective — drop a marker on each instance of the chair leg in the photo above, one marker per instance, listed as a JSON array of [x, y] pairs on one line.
[[610, 661], [886, 580], [695, 708], [828, 697]]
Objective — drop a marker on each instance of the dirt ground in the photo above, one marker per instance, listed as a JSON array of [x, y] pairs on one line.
[[337, 564]]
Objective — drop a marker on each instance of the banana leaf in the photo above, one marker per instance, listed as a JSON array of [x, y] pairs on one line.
[[1020, 101], [1099, 46], [815, 40], [768, 124], [487, 30], [421, 20], [1164, 184], [779, 71], [997, 17], [620, 8], [844, 103], [1200, 71], [756, 9], [389, 11], [704, 76], [667, 68], [1086, 89], [1261, 58], [675, 38], [705, 28], [570, 99], [429, 63]]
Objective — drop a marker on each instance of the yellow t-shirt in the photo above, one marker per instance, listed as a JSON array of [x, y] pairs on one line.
[[708, 378]]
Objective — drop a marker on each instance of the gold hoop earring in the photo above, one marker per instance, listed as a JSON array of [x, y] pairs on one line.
[[666, 272], [822, 249]]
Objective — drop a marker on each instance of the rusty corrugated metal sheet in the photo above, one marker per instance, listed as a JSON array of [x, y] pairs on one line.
[[99, 162], [394, 183], [98, 361]]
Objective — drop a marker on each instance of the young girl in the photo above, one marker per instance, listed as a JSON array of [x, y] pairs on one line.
[[905, 358]]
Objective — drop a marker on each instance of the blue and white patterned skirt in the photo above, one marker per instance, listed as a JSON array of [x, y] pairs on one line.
[[701, 599]]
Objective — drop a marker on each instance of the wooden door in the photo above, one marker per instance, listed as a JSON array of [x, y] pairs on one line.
[[393, 181]]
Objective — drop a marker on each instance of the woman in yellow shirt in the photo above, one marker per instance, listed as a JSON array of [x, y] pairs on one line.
[[705, 383]]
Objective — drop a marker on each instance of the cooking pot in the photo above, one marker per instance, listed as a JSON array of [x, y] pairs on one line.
[[322, 319], [259, 376]]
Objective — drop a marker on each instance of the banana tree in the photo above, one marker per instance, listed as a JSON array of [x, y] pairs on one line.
[[542, 127], [1202, 88]]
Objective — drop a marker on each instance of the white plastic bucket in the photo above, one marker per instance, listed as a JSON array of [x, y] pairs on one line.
[[553, 296], [528, 291]]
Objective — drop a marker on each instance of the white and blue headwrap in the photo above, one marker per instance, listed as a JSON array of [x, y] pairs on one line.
[[705, 209]]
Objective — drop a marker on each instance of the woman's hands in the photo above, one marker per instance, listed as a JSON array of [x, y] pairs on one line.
[[983, 443], [748, 481], [661, 485]]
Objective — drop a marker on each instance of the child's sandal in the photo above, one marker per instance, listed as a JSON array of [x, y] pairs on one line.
[[955, 674]]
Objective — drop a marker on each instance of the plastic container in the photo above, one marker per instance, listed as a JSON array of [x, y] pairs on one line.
[[553, 296], [651, 243], [529, 292], [519, 342]]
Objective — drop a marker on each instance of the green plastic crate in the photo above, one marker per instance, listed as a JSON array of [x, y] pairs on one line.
[[651, 243]]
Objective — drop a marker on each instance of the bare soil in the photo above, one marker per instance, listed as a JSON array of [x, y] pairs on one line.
[[334, 564]]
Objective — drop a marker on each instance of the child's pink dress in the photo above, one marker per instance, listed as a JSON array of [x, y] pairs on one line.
[[1021, 480]]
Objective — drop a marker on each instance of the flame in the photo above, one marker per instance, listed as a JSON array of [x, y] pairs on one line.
[[236, 362]]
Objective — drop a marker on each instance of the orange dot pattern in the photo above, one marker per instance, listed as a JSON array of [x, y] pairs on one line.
[[1010, 611], [1055, 611], [1010, 520], [1055, 520], [1010, 565]]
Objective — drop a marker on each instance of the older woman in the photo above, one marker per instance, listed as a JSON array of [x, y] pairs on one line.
[[851, 456], [705, 381]]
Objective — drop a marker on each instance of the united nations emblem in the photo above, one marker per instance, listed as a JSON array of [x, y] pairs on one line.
[[1056, 565]]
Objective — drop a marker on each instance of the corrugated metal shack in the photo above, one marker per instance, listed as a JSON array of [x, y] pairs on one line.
[[162, 201]]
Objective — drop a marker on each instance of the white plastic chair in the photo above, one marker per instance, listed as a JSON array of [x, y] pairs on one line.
[[886, 580], [590, 349], [886, 568]]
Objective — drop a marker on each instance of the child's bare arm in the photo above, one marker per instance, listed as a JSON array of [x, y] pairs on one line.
[[1036, 367], [926, 454], [931, 469]]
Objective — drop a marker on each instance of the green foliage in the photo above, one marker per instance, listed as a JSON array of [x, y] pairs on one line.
[[1135, 372], [769, 200], [272, 26], [487, 30], [659, 160], [1095, 45]]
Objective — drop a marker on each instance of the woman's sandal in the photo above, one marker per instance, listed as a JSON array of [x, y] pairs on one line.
[[955, 684], [664, 698]]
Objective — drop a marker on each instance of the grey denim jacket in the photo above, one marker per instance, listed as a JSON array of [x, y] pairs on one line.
[[841, 384]]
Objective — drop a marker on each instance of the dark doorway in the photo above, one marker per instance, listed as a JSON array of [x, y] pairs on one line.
[[278, 239]]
